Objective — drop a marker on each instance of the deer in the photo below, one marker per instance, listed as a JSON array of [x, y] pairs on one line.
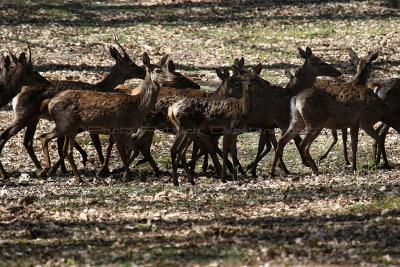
[[336, 107], [27, 104], [12, 80], [158, 119], [389, 91], [272, 107], [116, 114], [364, 69], [204, 116], [180, 83]]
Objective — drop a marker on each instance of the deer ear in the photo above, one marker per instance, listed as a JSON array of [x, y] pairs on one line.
[[7, 62], [288, 74], [220, 74], [308, 52], [171, 66], [241, 63], [22, 58], [374, 55], [163, 60], [353, 57], [236, 62], [235, 70], [115, 54], [302, 53], [226, 74], [257, 69], [13, 57], [146, 59]]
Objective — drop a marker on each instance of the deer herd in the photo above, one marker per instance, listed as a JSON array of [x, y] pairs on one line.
[[170, 102]]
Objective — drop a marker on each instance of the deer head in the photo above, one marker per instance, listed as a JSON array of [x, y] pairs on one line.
[[181, 82], [364, 66], [124, 66], [23, 73], [316, 66], [232, 86], [158, 74]]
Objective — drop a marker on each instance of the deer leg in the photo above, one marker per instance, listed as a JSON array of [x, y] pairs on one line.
[[28, 143], [381, 150], [60, 162], [5, 135], [68, 151], [262, 141], [312, 134], [145, 150], [374, 145], [182, 154], [297, 140], [174, 151], [225, 150], [121, 147], [344, 140], [369, 129], [282, 164], [210, 143], [335, 139], [296, 126], [97, 145], [104, 171], [233, 152], [354, 144], [45, 139]]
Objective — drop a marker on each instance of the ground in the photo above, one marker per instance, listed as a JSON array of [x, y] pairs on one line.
[[340, 217]]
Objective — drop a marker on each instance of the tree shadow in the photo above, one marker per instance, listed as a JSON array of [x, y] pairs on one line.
[[107, 13]]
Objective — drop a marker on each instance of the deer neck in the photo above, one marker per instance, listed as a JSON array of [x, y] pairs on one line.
[[247, 102], [304, 80], [110, 81], [148, 97], [14, 82], [219, 93], [361, 77]]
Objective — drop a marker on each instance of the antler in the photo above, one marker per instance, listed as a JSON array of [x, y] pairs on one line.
[[126, 56]]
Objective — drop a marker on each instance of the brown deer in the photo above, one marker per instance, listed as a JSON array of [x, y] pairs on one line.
[[273, 102], [180, 82], [117, 114], [364, 68], [389, 91], [27, 103], [158, 119], [336, 107], [12, 80], [204, 116]]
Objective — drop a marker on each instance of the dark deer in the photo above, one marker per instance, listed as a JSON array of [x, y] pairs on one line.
[[273, 102], [389, 91], [180, 82], [336, 107], [27, 104], [203, 116], [117, 114], [364, 68], [13, 79], [158, 119]]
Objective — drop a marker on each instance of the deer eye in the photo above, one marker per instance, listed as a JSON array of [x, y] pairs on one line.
[[157, 71]]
